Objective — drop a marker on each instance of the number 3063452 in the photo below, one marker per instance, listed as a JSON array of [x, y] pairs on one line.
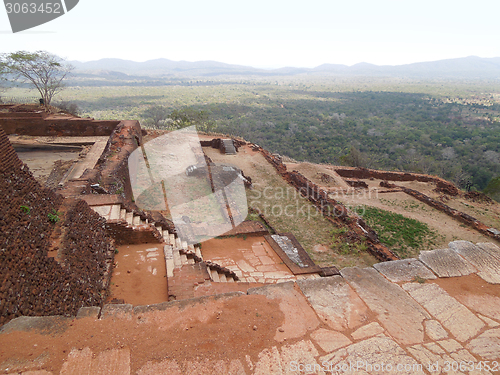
[[33, 8]]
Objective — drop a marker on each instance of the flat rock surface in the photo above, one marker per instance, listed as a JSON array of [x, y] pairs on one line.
[[446, 263], [487, 265], [454, 316], [402, 320], [299, 316], [335, 302], [404, 270]]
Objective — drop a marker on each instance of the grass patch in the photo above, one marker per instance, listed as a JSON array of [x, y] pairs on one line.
[[403, 235]]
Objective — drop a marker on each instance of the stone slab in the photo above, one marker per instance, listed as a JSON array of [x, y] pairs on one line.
[[43, 324], [485, 304], [446, 263], [109, 362], [330, 340], [487, 345], [402, 320], [490, 248], [404, 270], [364, 357], [487, 265], [454, 316], [369, 330], [335, 302], [299, 316], [88, 312], [435, 330]]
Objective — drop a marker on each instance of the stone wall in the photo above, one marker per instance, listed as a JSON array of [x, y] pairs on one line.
[[365, 173], [47, 267], [329, 207]]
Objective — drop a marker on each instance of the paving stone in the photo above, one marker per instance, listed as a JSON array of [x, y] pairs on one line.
[[404, 270], [111, 362], [115, 212], [488, 321], [244, 266], [450, 345], [454, 316], [490, 248], [301, 353], [402, 320], [299, 316], [269, 362], [487, 265], [168, 366], [369, 330], [330, 340], [446, 263], [78, 362], [335, 302], [487, 345], [485, 304], [213, 367], [368, 357], [435, 330], [291, 358]]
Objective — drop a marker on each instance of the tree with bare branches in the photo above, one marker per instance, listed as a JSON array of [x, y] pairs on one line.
[[42, 70]]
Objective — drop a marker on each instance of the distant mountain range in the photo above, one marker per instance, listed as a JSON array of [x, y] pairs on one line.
[[471, 67]]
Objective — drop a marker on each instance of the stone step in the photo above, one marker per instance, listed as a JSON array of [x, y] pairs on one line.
[[197, 251], [184, 245], [402, 320], [177, 258], [487, 265], [184, 259], [222, 278], [230, 279], [136, 220], [446, 263], [123, 214], [143, 222], [104, 211], [169, 260], [129, 217], [178, 243], [115, 212], [159, 229], [404, 270], [490, 248], [215, 275], [172, 239], [166, 236]]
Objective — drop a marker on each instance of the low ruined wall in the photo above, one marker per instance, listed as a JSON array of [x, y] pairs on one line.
[[458, 215], [329, 207], [365, 173], [32, 282], [57, 127]]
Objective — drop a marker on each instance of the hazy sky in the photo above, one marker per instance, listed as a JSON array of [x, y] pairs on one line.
[[267, 33]]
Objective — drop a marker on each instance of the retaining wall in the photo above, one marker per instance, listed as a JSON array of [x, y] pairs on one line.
[[32, 282]]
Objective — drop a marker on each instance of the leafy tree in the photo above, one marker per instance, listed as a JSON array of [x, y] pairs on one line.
[[42, 70], [493, 189], [190, 116], [155, 116]]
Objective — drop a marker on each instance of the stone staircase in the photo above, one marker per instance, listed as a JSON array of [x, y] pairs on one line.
[[177, 252]]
